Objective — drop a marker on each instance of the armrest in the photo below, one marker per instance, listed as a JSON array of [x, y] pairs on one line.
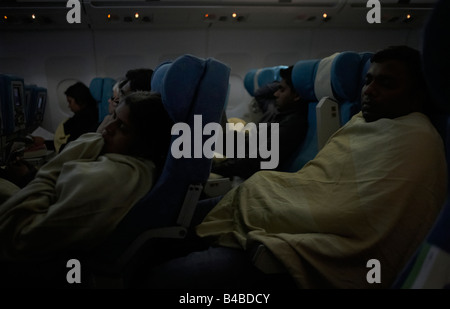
[[217, 186], [328, 120], [264, 259]]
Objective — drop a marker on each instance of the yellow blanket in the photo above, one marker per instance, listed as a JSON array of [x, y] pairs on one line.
[[372, 192], [75, 201]]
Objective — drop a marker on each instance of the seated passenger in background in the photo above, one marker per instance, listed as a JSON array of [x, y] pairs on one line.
[[85, 118], [265, 97], [113, 102], [370, 195], [135, 80], [78, 197], [292, 116]]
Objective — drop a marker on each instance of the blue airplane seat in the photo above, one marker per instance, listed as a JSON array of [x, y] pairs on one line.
[[365, 65], [346, 82], [338, 92], [303, 77], [190, 88], [269, 74], [96, 88], [332, 86], [429, 267], [257, 78], [249, 82], [101, 90], [103, 108]]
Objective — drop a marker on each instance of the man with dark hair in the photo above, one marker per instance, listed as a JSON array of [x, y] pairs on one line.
[[137, 79], [350, 218], [291, 114], [406, 62]]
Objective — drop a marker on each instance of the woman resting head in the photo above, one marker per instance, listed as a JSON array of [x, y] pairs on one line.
[[78, 198], [139, 126]]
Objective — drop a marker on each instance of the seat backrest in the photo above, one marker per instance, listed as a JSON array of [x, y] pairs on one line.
[[346, 81], [12, 103], [332, 86], [101, 90], [35, 103], [250, 82], [340, 88], [268, 75], [257, 78], [190, 88], [303, 77]]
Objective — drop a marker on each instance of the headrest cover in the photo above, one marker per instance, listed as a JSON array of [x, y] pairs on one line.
[[179, 85], [303, 77], [322, 82]]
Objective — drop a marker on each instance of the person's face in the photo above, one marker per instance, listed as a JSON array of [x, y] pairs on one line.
[[285, 97], [119, 135], [387, 91], [73, 106]]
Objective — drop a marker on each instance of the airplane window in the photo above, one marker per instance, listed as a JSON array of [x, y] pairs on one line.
[[62, 100]]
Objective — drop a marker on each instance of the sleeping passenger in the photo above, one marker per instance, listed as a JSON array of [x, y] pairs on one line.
[[78, 197], [370, 195]]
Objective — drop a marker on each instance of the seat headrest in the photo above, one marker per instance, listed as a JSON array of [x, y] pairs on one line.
[[346, 76], [249, 82], [364, 66], [269, 75], [96, 88], [257, 78], [177, 83], [303, 77], [158, 76]]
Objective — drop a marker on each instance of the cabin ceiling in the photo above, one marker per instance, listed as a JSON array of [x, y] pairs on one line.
[[173, 14]]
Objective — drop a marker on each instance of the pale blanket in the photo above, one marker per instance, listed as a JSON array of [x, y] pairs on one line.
[[74, 202], [372, 192], [7, 189]]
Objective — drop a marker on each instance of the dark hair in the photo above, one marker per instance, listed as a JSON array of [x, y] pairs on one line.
[[152, 125], [413, 60], [286, 74], [140, 79], [82, 95]]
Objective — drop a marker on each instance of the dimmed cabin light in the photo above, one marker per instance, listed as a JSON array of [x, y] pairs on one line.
[[407, 18]]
